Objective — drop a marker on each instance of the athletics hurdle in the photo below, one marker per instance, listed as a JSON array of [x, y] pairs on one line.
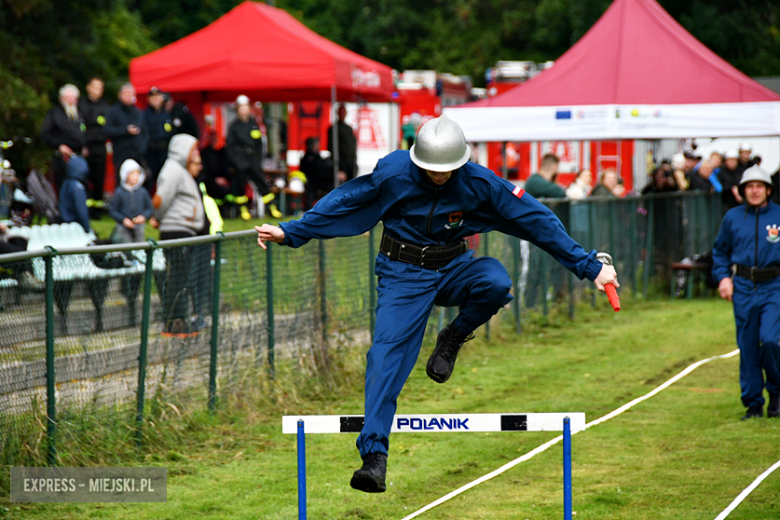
[[459, 423]]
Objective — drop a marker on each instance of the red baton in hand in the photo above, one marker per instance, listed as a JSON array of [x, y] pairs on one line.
[[609, 288]]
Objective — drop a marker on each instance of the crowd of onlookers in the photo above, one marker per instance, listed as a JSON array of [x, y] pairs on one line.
[[716, 174]]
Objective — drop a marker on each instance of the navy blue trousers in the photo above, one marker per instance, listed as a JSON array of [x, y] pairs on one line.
[[406, 296], [757, 314]]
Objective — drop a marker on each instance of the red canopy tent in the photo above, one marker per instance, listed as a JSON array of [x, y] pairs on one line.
[[265, 53], [635, 74]]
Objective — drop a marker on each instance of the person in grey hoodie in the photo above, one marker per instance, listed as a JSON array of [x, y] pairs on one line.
[[131, 205], [179, 213]]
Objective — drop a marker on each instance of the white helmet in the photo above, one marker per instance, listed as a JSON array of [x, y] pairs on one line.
[[242, 100], [755, 173], [745, 145], [731, 154], [440, 146]]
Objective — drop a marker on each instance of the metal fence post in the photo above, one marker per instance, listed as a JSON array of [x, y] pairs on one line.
[[215, 324], [269, 285], [142, 354], [649, 248], [51, 403], [371, 284], [323, 292], [516, 279]]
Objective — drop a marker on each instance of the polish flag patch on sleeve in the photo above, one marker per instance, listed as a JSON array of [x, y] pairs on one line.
[[518, 192]]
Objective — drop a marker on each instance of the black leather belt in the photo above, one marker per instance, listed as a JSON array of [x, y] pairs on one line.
[[429, 257], [758, 274]]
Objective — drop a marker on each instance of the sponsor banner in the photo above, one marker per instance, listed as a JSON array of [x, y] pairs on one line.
[[427, 423], [89, 485]]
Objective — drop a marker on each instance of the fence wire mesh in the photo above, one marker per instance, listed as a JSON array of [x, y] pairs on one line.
[[85, 314]]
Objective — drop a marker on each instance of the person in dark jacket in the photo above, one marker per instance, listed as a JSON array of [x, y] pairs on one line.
[[63, 132], [160, 128], [182, 120], [750, 238], [126, 128], [699, 178], [130, 205], [93, 109], [73, 195], [245, 151], [318, 171], [729, 177], [347, 156], [429, 200]]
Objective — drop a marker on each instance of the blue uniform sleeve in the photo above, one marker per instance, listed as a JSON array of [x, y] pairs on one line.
[[721, 253], [351, 209], [519, 214]]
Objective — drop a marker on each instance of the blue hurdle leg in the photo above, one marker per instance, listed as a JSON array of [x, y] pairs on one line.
[[301, 472], [567, 469]]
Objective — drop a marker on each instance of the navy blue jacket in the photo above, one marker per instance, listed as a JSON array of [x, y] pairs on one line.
[[118, 118], [474, 200], [156, 121], [743, 231], [129, 204], [73, 196]]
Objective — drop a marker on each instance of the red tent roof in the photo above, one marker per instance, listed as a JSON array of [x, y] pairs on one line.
[[265, 53], [636, 53]]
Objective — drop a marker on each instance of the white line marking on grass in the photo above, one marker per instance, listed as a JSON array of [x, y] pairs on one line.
[[556, 440], [732, 506]]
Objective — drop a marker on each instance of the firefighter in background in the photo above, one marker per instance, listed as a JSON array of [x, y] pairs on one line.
[[347, 159], [750, 238], [245, 150]]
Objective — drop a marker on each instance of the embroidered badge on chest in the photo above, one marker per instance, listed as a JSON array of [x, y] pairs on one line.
[[455, 220], [773, 234]]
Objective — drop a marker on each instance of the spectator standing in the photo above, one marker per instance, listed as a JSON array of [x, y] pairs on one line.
[[131, 205], [93, 110], [347, 159], [700, 178], [158, 123], [729, 177], [182, 119], [580, 188], [745, 155], [750, 239], [318, 171], [245, 150], [541, 184], [73, 194], [63, 132], [607, 186], [126, 128], [179, 213], [659, 183]]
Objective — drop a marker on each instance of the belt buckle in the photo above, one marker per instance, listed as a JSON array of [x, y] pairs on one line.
[[422, 256], [753, 273]]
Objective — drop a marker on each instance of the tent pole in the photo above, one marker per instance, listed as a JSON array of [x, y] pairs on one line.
[[335, 136], [504, 169]]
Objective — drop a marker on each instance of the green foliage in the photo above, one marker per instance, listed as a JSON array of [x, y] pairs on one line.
[[44, 44]]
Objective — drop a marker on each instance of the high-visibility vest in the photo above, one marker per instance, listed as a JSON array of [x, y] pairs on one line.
[[212, 211]]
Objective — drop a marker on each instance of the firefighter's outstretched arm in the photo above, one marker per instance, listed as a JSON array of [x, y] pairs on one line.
[[269, 233]]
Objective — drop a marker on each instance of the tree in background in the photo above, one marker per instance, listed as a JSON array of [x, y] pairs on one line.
[[46, 43]]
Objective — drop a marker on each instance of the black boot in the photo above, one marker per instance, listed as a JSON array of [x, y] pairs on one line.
[[754, 411], [371, 477], [442, 361], [773, 410]]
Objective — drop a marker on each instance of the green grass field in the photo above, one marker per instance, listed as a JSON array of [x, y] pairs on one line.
[[683, 455]]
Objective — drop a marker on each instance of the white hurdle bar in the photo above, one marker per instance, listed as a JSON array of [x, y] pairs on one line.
[[569, 423]]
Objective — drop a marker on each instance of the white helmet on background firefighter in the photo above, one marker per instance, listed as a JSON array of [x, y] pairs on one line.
[[440, 146]]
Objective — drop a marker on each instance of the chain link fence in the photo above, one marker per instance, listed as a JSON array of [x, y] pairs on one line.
[[99, 336]]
